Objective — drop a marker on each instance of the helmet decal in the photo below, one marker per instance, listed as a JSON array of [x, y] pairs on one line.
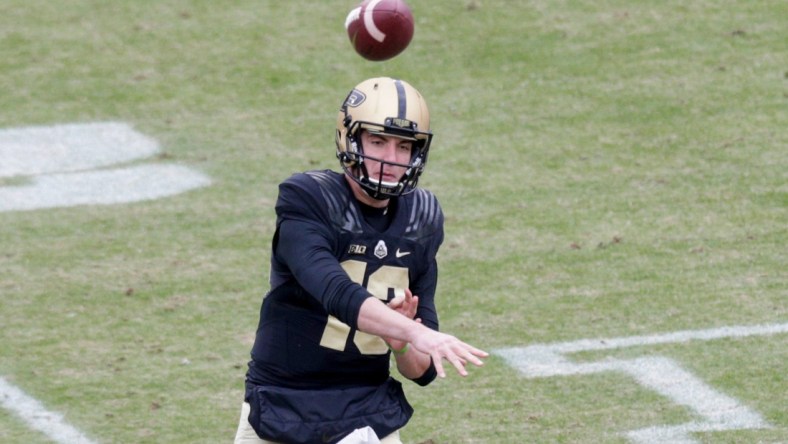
[[355, 98]]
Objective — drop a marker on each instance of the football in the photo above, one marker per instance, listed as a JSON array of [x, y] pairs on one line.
[[380, 29]]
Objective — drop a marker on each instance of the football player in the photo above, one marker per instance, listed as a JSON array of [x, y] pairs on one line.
[[353, 278]]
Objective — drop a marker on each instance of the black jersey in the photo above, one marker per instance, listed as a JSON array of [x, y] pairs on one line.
[[326, 261]]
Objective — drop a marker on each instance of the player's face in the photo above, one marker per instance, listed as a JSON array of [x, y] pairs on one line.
[[384, 150]]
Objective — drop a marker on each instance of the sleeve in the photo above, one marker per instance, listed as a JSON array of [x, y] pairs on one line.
[[429, 375], [425, 285], [305, 245], [425, 288]]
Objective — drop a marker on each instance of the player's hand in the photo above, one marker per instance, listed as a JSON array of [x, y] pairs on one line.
[[407, 306], [442, 346]]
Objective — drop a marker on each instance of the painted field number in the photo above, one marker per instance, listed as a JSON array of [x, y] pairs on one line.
[[78, 164]]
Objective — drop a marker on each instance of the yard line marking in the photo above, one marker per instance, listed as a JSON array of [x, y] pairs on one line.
[[32, 412], [717, 411]]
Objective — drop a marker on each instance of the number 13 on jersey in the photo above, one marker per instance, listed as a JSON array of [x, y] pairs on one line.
[[379, 282]]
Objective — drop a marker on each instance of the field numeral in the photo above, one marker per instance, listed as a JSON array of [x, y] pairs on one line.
[[80, 164]]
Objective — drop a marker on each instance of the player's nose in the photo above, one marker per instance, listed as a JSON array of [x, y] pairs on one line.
[[390, 151]]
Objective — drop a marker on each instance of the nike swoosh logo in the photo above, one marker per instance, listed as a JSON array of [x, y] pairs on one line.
[[399, 254]]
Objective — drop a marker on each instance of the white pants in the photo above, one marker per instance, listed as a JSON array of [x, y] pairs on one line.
[[247, 435]]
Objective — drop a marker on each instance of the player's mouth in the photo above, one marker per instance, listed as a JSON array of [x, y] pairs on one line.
[[388, 180]]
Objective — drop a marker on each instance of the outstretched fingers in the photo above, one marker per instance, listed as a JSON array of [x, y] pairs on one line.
[[459, 358]]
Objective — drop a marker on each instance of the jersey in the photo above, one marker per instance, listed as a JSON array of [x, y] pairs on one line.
[[326, 260]]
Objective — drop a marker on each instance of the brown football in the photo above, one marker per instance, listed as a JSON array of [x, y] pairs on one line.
[[380, 29]]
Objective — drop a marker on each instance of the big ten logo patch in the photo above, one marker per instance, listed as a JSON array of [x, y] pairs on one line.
[[78, 164]]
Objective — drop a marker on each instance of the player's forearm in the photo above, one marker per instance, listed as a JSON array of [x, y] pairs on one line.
[[376, 318]]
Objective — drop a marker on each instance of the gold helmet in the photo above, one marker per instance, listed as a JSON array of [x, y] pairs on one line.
[[383, 106]]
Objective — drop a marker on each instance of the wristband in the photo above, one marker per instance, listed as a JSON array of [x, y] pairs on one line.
[[401, 351]]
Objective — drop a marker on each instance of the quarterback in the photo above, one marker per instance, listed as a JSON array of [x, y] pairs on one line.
[[352, 282]]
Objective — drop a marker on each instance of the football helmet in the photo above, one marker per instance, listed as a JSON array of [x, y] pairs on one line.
[[389, 107]]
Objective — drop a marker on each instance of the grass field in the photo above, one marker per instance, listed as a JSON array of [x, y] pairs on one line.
[[608, 169]]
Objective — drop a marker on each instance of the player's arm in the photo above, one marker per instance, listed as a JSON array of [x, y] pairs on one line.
[[411, 363], [304, 241], [308, 256], [306, 250], [376, 318], [418, 303]]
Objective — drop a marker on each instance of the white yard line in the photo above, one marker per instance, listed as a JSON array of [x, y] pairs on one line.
[[716, 411], [37, 417]]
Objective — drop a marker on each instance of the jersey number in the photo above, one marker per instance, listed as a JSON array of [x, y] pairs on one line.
[[378, 284]]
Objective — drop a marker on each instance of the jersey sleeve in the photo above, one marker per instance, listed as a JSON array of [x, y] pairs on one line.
[[427, 228], [429, 231], [424, 287], [305, 243]]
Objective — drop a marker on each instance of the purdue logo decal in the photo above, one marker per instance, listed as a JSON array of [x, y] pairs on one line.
[[355, 98], [380, 250]]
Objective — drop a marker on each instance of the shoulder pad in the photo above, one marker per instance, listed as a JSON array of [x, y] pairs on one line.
[[426, 215]]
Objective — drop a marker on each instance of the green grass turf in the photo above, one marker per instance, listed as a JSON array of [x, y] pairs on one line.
[[607, 169]]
